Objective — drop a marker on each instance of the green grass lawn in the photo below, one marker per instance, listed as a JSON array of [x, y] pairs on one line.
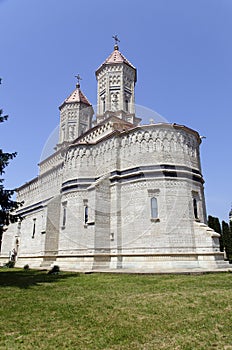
[[109, 311]]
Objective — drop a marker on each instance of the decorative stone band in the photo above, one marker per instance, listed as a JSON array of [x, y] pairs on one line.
[[156, 256], [162, 171], [81, 183], [33, 208], [143, 172], [157, 171]]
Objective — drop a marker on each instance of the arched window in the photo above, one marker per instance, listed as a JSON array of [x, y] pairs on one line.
[[154, 208], [63, 134], [86, 214], [33, 231], [64, 216], [19, 225], [195, 208], [127, 105]]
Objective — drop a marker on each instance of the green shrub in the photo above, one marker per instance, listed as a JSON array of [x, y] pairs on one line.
[[55, 270], [10, 264]]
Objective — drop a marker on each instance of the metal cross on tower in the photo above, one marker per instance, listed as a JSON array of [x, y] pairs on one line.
[[78, 79], [116, 39]]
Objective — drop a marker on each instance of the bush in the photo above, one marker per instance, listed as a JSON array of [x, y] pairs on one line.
[[55, 270], [26, 267], [10, 264]]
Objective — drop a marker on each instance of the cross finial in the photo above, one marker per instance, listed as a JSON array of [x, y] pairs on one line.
[[116, 41], [78, 79]]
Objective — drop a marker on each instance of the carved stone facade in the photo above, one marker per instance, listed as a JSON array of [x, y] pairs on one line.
[[116, 194], [116, 79], [76, 115]]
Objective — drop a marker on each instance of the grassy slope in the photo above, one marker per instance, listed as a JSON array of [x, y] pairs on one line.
[[107, 311]]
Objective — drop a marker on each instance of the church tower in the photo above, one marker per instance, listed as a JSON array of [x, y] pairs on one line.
[[116, 79], [76, 115]]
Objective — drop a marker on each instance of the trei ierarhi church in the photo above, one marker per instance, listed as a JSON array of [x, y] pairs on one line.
[[115, 195]]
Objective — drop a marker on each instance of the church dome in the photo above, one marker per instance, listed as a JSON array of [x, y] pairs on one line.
[[76, 96], [116, 57]]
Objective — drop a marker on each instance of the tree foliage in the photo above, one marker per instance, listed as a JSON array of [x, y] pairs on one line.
[[214, 223], [7, 204], [225, 231], [227, 238]]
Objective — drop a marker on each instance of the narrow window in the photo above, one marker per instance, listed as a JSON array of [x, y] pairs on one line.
[[86, 214], [33, 231], [127, 105], [154, 208], [19, 225], [63, 133], [104, 106], [195, 208], [64, 216]]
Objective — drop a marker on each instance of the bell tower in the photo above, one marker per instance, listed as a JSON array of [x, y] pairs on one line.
[[76, 115], [116, 79]]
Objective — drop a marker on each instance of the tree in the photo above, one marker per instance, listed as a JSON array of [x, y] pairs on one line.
[[7, 205], [227, 238], [214, 223]]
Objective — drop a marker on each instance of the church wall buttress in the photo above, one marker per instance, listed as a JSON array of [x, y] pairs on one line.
[[52, 227]]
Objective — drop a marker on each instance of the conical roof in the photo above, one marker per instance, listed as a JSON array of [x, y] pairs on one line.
[[116, 57], [76, 96]]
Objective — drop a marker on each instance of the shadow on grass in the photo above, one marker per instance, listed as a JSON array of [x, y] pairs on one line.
[[26, 279]]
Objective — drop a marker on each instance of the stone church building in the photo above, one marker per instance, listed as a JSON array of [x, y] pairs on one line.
[[115, 194]]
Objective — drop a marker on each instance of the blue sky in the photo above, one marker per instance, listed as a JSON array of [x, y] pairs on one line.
[[181, 48]]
